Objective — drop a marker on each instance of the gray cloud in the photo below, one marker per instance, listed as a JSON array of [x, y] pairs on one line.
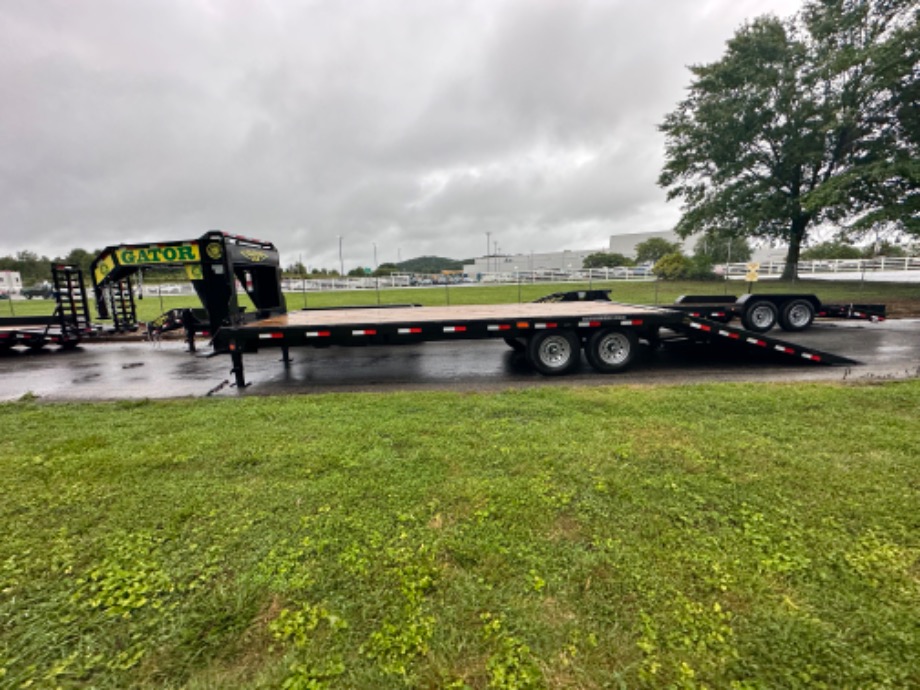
[[414, 124]]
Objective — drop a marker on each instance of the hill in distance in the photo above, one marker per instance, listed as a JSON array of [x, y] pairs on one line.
[[430, 264]]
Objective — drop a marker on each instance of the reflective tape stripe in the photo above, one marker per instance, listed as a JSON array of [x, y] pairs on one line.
[[454, 329], [270, 336], [545, 325], [500, 327], [631, 322], [754, 341], [782, 348], [365, 332], [408, 331], [813, 358], [729, 334], [589, 324], [318, 334]]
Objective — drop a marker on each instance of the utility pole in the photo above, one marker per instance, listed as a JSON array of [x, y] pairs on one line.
[[488, 245], [341, 262]]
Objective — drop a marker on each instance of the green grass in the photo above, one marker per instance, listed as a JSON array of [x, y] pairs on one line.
[[631, 292], [728, 536]]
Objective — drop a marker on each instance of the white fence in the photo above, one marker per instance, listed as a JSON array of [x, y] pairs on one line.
[[881, 268], [828, 267]]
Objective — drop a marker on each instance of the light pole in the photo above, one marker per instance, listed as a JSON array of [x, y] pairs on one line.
[[341, 262], [376, 276], [488, 244]]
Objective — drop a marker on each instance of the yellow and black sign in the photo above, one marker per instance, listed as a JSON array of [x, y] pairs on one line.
[[104, 267], [146, 255], [254, 255], [753, 272], [186, 253]]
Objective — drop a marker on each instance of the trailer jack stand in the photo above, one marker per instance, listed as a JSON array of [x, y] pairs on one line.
[[237, 370], [286, 355]]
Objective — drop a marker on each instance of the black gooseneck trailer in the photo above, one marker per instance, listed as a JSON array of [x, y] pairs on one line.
[[552, 332]]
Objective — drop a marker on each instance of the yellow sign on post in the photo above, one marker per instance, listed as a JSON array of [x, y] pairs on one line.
[[753, 274]]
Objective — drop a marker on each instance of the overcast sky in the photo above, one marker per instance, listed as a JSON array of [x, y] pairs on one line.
[[418, 125]]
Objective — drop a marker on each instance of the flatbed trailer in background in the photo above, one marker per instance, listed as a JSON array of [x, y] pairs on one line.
[[762, 311], [66, 327]]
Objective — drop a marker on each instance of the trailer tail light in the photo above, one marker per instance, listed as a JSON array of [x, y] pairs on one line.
[[318, 334], [366, 331], [454, 329], [500, 327], [409, 331]]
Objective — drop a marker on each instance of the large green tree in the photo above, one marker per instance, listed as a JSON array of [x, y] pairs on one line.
[[802, 121]]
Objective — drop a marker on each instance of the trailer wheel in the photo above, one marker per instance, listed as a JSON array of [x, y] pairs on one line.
[[797, 315], [516, 344], [611, 350], [760, 316], [554, 353]]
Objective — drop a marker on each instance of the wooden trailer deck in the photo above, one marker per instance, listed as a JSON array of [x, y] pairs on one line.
[[461, 313]]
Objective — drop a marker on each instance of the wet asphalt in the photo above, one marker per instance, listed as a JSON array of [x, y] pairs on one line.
[[136, 370]]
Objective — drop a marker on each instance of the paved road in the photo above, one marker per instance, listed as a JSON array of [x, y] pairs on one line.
[[143, 370]]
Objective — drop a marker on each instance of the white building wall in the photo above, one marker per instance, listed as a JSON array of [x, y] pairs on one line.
[[574, 259], [537, 261], [10, 281]]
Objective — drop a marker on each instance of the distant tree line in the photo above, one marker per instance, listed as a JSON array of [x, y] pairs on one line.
[[35, 269]]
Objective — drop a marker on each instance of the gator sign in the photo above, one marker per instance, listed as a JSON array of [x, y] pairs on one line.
[[147, 255]]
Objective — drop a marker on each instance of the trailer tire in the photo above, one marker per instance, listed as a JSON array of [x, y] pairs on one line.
[[554, 353], [797, 315], [760, 316], [611, 350]]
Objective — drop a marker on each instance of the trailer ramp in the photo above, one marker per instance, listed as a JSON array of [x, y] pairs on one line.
[[715, 331]]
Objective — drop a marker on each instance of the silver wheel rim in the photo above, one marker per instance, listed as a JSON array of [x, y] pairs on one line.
[[799, 315], [613, 349], [555, 352], [762, 317]]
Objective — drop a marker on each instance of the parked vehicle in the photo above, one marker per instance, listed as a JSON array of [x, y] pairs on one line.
[[43, 291]]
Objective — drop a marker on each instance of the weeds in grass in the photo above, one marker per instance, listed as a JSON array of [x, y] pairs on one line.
[[711, 536]]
